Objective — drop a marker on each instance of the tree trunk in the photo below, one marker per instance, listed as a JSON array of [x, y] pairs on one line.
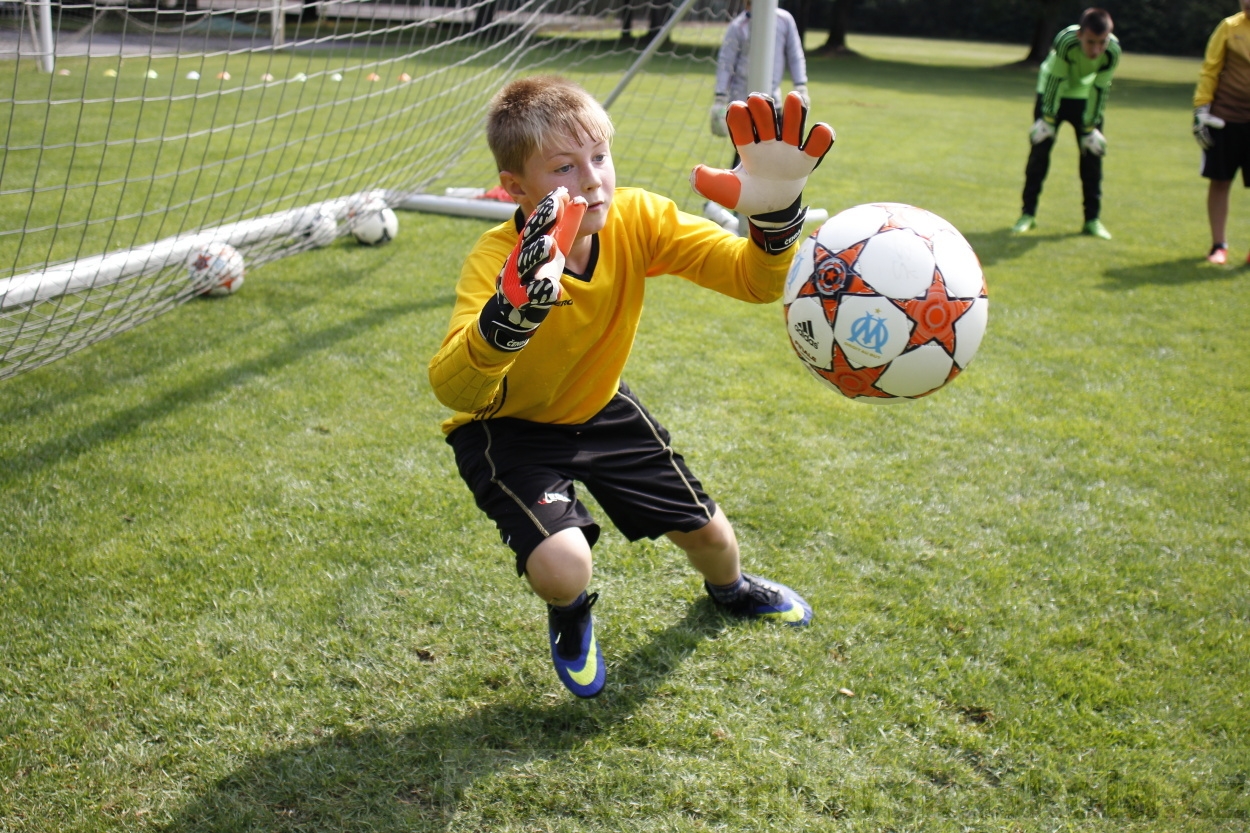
[[798, 9], [1043, 32], [839, 19]]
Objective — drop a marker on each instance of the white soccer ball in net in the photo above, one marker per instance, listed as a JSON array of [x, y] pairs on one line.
[[885, 302], [216, 269], [373, 223], [321, 232]]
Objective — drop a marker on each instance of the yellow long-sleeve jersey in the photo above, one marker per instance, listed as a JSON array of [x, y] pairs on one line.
[[1224, 81], [572, 366]]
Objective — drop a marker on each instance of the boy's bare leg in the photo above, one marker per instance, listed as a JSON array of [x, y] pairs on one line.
[[712, 549], [559, 568], [1217, 208]]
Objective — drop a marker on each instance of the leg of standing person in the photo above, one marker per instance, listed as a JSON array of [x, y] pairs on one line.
[[1035, 171], [1228, 152], [1218, 194], [1091, 192]]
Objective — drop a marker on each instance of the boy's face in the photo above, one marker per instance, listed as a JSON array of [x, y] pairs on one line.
[[1094, 45], [584, 166]]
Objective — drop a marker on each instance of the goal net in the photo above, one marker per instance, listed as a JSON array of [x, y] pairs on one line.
[[137, 132]]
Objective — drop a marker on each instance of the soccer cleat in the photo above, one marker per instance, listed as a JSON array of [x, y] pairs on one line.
[[1025, 223], [1219, 254], [767, 600], [574, 649], [1095, 228]]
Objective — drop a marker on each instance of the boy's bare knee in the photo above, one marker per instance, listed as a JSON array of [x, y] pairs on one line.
[[716, 534], [559, 568]]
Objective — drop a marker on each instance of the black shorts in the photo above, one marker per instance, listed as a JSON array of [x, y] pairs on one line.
[[1230, 150], [521, 474], [1071, 110]]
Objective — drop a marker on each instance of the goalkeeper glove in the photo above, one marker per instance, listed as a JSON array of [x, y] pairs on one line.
[[1204, 123], [1041, 131], [1094, 142], [767, 185], [717, 115], [529, 283]]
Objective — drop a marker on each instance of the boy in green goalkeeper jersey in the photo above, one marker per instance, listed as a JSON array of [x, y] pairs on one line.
[[1072, 86]]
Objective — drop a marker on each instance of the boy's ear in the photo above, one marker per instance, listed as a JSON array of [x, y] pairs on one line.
[[513, 186]]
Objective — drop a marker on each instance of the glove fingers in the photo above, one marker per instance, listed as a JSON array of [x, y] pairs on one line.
[[739, 120], [568, 224], [793, 120], [510, 280], [764, 115], [546, 214], [717, 184], [819, 141]]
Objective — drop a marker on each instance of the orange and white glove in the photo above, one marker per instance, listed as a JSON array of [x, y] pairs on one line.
[[529, 283], [767, 185]]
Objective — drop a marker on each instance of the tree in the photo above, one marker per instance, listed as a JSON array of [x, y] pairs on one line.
[[799, 10], [839, 20], [1043, 31]]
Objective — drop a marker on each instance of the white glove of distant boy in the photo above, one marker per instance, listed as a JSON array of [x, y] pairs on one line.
[[767, 185], [1041, 131], [529, 283], [1094, 142], [716, 115], [801, 89], [1204, 123]]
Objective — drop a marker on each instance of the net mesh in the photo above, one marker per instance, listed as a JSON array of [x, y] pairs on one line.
[[267, 124]]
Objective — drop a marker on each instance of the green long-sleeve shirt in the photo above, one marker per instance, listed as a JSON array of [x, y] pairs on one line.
[[1068, 73]]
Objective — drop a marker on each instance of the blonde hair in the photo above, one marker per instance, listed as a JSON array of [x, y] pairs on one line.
[[530, 113]]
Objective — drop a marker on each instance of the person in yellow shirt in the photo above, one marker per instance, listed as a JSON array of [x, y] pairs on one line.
[[547, 307], [1222, 121]]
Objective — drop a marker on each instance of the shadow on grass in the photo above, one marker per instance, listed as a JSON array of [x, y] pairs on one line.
[[995, 246], [80, 439], [1170, 273], [414, 780]]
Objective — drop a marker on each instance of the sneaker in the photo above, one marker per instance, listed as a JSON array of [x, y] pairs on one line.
[[1219, 254], [767, 600], [1095, 228], [1025, 223], [574, 649]]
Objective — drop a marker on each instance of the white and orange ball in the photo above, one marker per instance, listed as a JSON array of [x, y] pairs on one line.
[[885, 302], [216, 269]]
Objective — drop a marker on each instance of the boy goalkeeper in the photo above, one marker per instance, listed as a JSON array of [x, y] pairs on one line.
[[1072, 86], [547, 306]]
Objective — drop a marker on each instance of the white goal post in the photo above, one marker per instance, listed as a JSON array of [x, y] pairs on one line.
[[136, 132]]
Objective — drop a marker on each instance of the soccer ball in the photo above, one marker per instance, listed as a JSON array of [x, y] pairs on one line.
[[373, 223], [216, 269], [321, 232], [885, 302]]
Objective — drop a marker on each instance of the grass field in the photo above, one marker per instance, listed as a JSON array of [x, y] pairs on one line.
[[243, 589]]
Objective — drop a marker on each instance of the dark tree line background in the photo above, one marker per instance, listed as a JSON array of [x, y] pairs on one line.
[[1161, 27]]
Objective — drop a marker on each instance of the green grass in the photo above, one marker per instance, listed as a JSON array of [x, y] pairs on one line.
[[243, 589]]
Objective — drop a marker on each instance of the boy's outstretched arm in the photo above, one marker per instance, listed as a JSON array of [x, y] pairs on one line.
[[767, 185], [525, 290]]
